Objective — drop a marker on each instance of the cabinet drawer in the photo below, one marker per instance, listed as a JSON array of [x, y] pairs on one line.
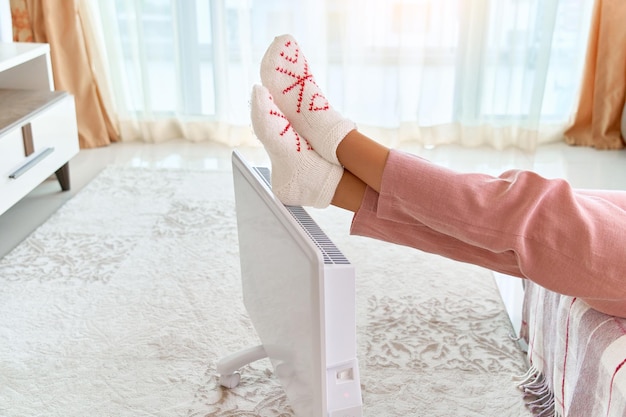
[[50, 133]]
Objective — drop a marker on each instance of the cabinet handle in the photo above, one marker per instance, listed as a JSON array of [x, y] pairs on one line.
[[32, 160]]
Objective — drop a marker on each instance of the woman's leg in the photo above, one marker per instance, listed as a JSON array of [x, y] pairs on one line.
[[349, 193], [355, 195], [570, 242], [363, 157]]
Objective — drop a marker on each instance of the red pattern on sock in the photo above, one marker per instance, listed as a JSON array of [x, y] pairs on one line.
[[300, 79], [288, 58], [314, 107], [289, 128]]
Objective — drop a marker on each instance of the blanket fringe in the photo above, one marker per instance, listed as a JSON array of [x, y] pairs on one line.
[[537, 394]]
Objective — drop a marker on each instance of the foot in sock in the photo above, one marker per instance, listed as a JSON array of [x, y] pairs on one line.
[[286, 74], [299, 175]]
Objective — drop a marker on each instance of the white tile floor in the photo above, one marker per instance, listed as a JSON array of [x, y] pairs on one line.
[[583, 167]]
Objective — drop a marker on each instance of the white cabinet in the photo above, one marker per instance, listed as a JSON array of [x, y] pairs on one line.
[[38, 133]]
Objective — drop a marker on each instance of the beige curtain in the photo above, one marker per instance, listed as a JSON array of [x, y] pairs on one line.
[[59, 23], [597, 120]]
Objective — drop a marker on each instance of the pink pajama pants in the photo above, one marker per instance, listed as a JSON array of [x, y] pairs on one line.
[[569, 241]]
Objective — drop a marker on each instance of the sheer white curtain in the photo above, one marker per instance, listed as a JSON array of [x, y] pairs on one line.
[[474, 72]]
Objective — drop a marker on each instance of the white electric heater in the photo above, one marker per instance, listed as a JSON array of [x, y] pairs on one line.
[[299, 291]]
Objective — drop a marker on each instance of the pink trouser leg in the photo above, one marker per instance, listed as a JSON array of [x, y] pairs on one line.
[[571, 242]]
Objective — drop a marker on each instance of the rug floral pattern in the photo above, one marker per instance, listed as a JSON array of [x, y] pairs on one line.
[[124, 300]]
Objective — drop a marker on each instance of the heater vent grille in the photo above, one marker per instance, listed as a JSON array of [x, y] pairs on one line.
[[331, 254]]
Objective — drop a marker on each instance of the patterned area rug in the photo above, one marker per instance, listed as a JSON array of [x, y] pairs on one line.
[[124, 300]]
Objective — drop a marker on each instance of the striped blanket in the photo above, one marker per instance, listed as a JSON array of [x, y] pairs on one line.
[[577, 357]]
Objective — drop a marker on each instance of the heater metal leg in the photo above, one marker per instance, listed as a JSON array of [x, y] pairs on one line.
[[228, 367]]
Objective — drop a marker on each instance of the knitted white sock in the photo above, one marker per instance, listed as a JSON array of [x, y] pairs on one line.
[[300, 176], [286, 74]]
